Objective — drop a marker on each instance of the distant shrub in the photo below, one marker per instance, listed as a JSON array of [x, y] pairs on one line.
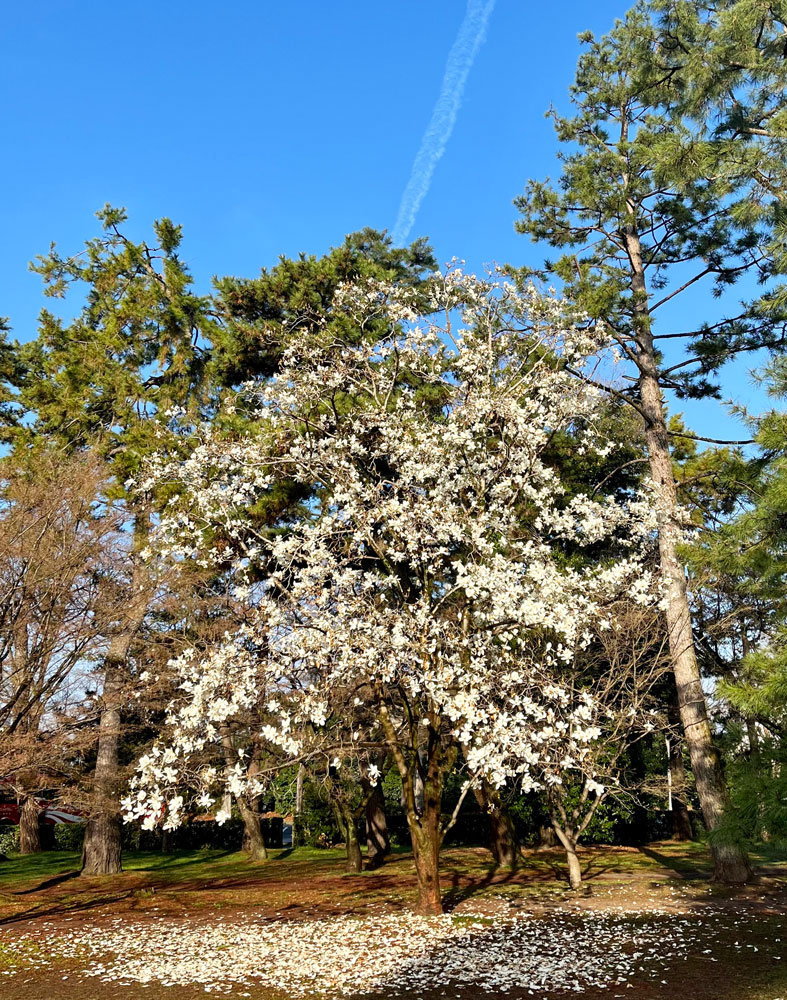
[[69, 836], [9, 839]]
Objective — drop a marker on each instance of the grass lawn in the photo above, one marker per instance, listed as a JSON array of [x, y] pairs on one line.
[[716, 942]]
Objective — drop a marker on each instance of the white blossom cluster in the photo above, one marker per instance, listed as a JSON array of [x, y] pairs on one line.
[[434, 574]]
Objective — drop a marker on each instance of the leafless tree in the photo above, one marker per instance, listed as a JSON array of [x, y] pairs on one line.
[[621, 671], [61, 571]]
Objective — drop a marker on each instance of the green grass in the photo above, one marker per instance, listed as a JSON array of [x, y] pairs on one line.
[[233, 880], [19, 869]]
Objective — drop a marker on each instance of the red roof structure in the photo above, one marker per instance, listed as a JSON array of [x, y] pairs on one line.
[[51, 814]]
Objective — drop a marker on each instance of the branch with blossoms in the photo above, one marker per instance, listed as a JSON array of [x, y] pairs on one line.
[[427, 572]]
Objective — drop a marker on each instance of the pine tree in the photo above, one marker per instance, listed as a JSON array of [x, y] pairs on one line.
[[10, 375], [295, 297], [653, 201], [106, 382]]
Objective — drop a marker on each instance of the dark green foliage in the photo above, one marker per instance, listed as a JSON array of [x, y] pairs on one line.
[[135, 351], [10, 377], [203, 835], [316, 825], [69, 836], [291, 300], [636, 160]]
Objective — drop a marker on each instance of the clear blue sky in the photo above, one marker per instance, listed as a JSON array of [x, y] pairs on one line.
[[266, 128]]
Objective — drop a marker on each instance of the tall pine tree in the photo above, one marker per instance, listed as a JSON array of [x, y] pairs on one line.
[[106, 381], [653, 201]]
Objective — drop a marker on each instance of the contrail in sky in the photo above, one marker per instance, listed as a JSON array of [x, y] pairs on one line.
[[438, 132]]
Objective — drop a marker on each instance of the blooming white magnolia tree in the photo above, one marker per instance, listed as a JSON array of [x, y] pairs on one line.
[[426, 601]]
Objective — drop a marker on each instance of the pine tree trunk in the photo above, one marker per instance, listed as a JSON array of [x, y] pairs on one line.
[[102, 853], [253, 837], [378, 843], [30, 826], [102, 849], [730, 861]]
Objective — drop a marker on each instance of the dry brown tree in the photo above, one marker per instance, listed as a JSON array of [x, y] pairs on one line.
[[61, 581], [623, 671]]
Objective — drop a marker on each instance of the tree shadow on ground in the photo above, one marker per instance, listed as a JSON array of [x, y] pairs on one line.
[[66, 907], [590, 870], [175, 861], [459, 892], [687, 870], [49, 883]]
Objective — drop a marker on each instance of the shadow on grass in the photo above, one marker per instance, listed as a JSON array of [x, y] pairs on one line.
[[170, 862], [591, 870], [494, 875], [688, 870]]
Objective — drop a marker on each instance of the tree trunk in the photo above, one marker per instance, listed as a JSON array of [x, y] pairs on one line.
[[102, 849], [422, 796], [253, 840], [502, 839], [296, 818], [30, 826], [102, 852], [253, 837], [354, 857], [730, 861], [378, 843], [570, 846], [574, 868], [681, 817], [425, 835], [682, 828], [346, 821]]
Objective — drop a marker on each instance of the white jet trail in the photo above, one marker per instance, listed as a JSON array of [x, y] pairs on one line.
[[438, 132]]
